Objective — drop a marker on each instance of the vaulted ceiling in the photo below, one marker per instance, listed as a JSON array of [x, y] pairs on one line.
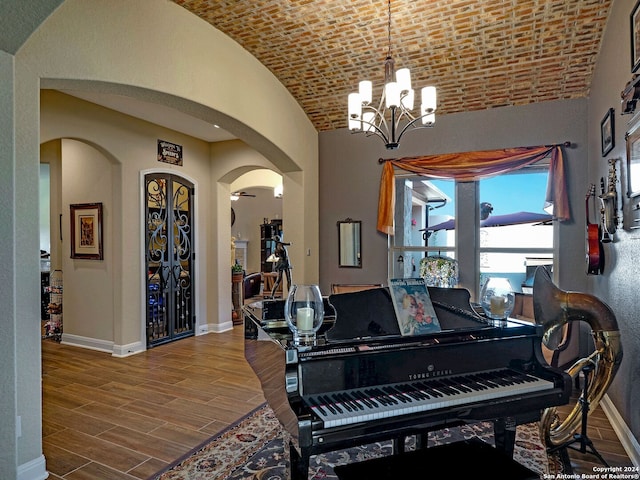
[[479, 53]]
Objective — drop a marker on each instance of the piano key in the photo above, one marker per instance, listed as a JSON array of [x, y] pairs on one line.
[[314, 403], [405, 398]]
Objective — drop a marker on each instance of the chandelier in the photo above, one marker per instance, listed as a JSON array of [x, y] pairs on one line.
[[394, 115]]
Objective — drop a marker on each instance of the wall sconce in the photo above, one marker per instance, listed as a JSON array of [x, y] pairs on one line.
[[277, 191]]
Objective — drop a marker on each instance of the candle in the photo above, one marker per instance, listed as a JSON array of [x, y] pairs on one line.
[[498, 305], [304, 319]]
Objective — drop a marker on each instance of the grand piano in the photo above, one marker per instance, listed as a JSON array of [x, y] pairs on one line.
[[363, 382]]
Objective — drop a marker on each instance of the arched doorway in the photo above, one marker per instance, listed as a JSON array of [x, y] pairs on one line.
[[169, 258]]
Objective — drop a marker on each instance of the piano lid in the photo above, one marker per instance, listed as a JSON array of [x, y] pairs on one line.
[[370, 313]]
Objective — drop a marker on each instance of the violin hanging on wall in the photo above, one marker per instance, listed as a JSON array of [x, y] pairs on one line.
[[595, 251]]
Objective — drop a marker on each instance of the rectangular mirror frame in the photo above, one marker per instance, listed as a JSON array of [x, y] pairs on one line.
[[349, 243]]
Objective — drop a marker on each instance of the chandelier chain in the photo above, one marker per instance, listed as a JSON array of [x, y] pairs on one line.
[[389, 30]]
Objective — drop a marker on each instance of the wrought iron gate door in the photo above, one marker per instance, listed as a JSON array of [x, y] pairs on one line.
[[169, 258]]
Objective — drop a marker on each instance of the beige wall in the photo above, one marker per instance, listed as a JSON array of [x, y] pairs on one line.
[[88, 303], [106, 163], [155, 51]]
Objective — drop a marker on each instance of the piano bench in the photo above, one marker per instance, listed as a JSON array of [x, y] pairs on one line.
[[465, 459]]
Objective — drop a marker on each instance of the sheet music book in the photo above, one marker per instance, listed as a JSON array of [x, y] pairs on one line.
[[414, 310]]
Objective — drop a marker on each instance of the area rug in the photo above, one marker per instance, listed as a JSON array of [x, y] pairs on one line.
[[254, 448]]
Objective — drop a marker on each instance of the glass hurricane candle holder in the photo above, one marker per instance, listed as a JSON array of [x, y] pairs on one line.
[[497, 298], [304, 313]]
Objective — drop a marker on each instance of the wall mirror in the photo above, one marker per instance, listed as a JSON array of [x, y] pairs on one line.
[[349, 243], [633, 160]]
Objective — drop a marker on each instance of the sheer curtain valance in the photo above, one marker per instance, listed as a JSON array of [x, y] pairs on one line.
[[471, 166]]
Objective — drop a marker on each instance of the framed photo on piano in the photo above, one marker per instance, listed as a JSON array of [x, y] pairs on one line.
[[413, 306]]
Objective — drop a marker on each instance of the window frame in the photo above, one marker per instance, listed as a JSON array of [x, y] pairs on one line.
[[466, 249]]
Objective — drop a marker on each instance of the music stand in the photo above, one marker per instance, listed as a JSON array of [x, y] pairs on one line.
[[582, 438]]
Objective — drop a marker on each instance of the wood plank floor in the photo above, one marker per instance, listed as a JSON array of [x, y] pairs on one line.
[[108, 418], [604, 440], [126, 418]]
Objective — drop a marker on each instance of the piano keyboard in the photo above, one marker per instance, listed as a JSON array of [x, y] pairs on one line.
[[365, 404]]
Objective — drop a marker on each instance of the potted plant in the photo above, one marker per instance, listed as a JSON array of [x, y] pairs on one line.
[[237, 272]]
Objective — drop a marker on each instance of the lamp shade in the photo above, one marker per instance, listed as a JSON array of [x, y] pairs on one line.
[[428, 99], [365, 89], [392, 94], [355, 111], [407, 99], [403, 78], [355, 106]]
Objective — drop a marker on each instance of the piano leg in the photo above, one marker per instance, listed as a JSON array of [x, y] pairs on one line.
[[504, 433], [398, 445], [299, 463], [422, 439]]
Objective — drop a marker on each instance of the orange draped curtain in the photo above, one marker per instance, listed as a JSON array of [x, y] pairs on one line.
[[471, 166]]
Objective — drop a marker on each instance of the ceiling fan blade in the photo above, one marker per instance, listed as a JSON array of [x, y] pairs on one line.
[[242, 194]]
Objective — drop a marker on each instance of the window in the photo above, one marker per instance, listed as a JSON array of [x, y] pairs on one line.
[[518, 235], [493, 227]]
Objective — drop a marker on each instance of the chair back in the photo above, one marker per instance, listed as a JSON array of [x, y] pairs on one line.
[[353, 287]]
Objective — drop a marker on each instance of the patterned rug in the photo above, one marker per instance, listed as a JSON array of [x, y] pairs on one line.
[[254, 448]]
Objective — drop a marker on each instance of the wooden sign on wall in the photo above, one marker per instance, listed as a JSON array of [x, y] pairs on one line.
[[169, 153]]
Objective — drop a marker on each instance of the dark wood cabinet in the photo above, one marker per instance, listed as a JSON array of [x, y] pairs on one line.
[[267, 243]]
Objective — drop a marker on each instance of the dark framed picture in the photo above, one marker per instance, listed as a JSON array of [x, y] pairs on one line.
[[635, 37], [86, 231], [606, 132]]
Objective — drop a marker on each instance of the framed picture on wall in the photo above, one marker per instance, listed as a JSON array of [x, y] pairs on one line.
[[606, 132], [86, 231], [635, 37]]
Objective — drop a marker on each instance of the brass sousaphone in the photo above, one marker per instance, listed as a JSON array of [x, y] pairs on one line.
[[553, 309]]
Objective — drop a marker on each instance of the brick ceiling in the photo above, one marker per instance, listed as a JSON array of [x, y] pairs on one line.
[[479, 54]]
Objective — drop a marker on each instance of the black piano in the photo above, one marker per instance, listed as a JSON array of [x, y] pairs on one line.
[[363, 382]]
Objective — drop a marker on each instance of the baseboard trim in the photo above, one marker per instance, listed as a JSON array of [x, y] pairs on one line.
[[628, 441], [215, 328], [134, 348], [122, 351], [87, 342], [35, 469]]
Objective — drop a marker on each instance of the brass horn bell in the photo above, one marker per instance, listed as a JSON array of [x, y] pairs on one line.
[[553, 308]]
